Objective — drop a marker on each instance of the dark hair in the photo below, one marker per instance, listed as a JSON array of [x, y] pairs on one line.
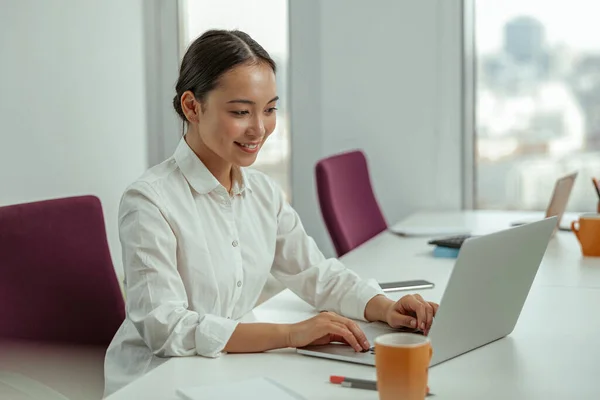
[[210, 56]]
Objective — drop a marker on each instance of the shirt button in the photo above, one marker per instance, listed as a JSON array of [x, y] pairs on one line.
[[239, 283], [234, 243]]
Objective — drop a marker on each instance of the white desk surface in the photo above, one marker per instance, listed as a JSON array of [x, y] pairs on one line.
[[553, 352], [77, 372]]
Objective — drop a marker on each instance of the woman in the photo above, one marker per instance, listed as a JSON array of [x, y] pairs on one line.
[[200, 233]]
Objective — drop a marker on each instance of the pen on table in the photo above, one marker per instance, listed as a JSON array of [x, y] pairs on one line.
[[358, 383], [596, 186], [353, 382]]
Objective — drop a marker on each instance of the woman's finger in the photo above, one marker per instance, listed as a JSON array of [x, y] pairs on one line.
[[415, 306], [429, 312], [360, 336], [398, 320], [337, 338], [336, 328], [435, 307]]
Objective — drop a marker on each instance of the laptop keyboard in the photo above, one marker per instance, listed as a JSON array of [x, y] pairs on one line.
[[370, 350], [454, 242]]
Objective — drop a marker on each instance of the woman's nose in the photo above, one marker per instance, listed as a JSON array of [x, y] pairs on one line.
[[258, 126]]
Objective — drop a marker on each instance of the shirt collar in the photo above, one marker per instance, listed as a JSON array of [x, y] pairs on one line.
[[199, 177], [240, 181]]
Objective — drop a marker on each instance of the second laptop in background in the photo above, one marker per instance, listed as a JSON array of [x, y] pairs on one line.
[[556, 208], [558, 202]]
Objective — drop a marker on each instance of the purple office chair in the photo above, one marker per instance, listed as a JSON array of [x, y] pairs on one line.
[[348, 204], [57, 281]]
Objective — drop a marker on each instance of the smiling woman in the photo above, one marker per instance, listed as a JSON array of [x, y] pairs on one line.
[[229, 104], [267, 22], [201, 232]]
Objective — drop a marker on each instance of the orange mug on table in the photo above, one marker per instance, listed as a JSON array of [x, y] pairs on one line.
[[402, 363], [587, 230]]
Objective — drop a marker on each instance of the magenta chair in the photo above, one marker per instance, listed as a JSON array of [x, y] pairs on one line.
[[348, 204], [57, 281]]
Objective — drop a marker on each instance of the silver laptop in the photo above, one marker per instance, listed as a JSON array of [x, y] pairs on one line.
[[558, 202], [483, 299]]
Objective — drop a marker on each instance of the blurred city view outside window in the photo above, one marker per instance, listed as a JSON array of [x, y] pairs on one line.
[[537, 107], [267, 22]]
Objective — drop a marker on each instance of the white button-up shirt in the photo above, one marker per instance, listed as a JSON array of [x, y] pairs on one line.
[[196, 259]]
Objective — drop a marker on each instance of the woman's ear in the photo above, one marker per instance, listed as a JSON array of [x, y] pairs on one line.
[[190, 106]]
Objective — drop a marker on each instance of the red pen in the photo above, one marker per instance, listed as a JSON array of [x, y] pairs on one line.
[[359, 383], [353, 382]]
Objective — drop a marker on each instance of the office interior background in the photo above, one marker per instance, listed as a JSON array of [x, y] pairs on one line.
[[457, 104], [471, 104]]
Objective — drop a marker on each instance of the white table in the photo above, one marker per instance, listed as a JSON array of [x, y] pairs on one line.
[[553, 352], [388, 257], [50, 371]]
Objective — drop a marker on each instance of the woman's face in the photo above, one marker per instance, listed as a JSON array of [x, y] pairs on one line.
[[237, 117]]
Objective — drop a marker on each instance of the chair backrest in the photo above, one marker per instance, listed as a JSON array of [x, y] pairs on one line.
[[57, 281], [348, 205]]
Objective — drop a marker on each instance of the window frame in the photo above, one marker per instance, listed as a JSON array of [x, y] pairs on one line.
[[469, 104]]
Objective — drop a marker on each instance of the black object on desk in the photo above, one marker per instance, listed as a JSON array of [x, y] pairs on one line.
[[453, 242]]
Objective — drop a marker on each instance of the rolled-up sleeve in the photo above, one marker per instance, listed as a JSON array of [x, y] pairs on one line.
[[324, 283], [157, 303]]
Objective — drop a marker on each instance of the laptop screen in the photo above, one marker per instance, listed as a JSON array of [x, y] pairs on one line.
[[560, 196]]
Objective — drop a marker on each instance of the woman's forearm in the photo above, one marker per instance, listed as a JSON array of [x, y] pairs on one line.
[[257, 337]]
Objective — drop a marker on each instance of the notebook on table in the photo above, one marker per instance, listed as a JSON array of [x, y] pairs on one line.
[[262, 388]]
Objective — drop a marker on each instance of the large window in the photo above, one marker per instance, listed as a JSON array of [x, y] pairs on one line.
[[267, 22], [537, 101]]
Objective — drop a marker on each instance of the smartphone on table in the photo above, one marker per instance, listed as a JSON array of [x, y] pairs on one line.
[[406, 285]]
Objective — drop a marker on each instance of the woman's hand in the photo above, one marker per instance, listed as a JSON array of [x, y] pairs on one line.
[[411, 311], [325, 328]]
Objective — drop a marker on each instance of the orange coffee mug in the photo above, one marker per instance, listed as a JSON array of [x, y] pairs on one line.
[[587, 230], [402, 363]]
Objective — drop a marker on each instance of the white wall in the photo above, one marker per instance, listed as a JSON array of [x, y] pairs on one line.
[[383, 76], [305, 112], [72, 102]]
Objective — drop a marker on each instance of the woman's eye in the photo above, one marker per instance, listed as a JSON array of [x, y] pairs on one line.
[[271, 110], [239, 113]]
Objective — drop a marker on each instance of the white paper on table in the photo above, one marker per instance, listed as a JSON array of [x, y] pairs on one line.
[[259, 388]]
